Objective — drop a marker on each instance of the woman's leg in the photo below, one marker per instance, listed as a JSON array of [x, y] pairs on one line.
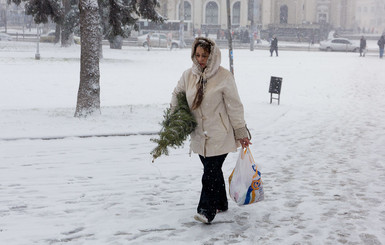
[[213, 195]]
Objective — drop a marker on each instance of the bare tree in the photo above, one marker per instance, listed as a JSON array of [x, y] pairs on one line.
[[65, 32]]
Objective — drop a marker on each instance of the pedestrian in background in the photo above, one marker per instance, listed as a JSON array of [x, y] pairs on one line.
[[169, 40], [274, 46], [381, 43], [362, 46], [148, 39]]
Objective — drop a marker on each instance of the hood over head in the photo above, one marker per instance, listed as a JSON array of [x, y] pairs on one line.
[[213, 62]]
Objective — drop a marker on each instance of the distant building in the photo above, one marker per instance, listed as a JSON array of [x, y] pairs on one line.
[[346, 15], [289, 18], [206, 14], [339, 13], [11, 15], [370, 16]]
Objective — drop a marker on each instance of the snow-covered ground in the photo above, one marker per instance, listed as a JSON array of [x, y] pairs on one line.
[[321, 151]]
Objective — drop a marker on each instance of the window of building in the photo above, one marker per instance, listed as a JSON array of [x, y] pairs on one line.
[[322, 14], [236, 13], [164, 10], [283, 14], [212, 13], [322, 18], [187, 10]]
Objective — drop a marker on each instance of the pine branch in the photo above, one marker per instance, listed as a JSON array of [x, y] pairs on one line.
[[176, 127]]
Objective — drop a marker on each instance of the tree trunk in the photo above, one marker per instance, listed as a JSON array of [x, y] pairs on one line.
[[116, 43], [100, 42], [66, 38], [57, 33], [88, 101], [5, 18], [100, 30]]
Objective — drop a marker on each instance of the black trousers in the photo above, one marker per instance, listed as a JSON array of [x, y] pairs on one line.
[[213, 195], [272, 50]]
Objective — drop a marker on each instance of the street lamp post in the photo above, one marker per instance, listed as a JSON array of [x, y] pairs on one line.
[[181, 24], [5, 18], [230, 38], [37, 55], [23, 11], [295, 12], [253, 24]]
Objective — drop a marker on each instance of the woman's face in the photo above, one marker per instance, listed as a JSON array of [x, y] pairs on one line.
[[202, 56]]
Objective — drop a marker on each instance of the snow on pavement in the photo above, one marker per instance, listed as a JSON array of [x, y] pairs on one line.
[[320, 152]]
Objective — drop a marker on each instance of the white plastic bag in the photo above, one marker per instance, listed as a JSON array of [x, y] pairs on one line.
[[245, 183]]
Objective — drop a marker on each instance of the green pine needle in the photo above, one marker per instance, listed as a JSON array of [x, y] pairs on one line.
[[176, 127]]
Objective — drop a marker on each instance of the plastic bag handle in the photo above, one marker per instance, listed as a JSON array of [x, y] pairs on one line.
[[252, 158], [244, 153]]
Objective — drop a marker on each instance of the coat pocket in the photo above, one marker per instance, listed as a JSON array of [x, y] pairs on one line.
[[223, 122]]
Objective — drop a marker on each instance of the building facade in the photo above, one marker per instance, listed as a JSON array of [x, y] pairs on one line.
[[359, 16], [370, 16], [12, 15], [203, 13], [348, 15]]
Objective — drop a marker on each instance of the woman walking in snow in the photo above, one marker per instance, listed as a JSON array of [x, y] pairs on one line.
[[213, 98]]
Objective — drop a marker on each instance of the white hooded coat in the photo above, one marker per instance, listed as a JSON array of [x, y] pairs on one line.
[[220, 117]]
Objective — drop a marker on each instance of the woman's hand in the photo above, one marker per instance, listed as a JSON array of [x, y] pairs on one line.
[[245, 142]]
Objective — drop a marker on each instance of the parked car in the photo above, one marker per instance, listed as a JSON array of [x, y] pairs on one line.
[[339, 44], [50, 38], [5, 36], [158, 40], [77, 39]]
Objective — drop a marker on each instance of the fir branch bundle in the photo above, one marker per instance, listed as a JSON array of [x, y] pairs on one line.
[[176, 127]]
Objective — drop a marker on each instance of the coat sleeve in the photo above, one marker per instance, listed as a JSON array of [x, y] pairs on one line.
[[234, 108], [180, 87]]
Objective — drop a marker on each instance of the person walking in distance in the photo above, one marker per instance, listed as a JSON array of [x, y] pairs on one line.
[[362, 46], [381, 43], [148, 39], [213, 98], [274, 46], [169, 40]]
